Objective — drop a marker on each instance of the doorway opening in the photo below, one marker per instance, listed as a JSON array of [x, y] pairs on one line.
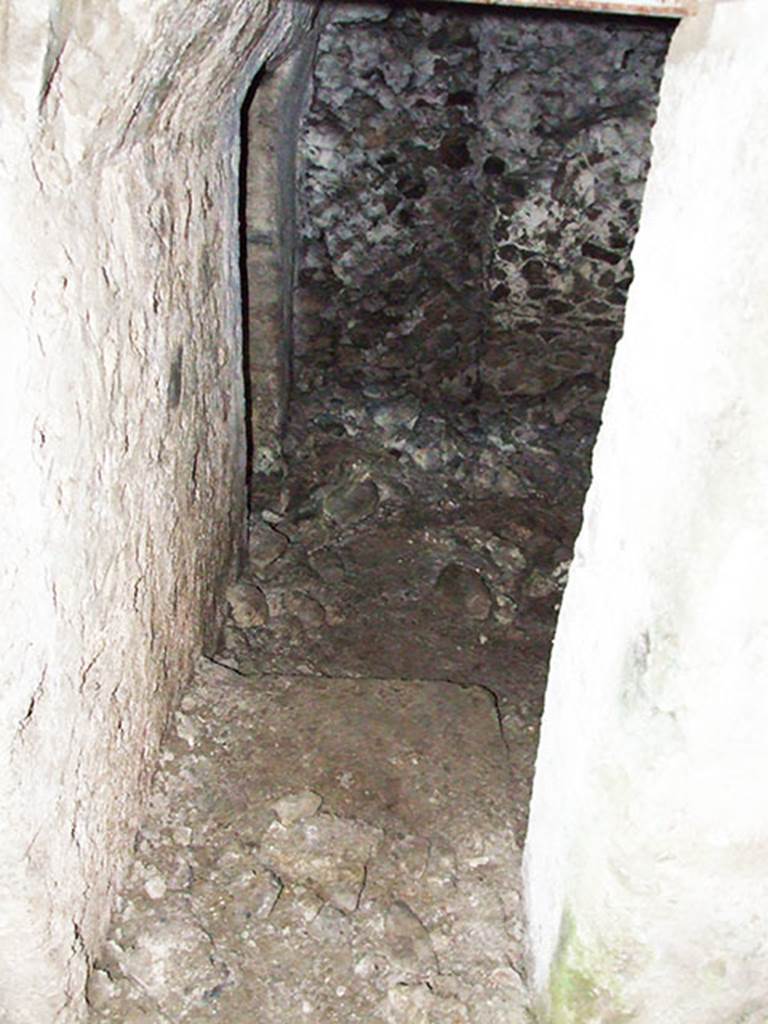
[[467, 190], [440, 206]]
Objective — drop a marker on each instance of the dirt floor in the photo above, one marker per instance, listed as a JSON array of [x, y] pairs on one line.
[[336, 827]]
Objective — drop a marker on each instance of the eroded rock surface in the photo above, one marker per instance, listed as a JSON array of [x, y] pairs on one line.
[[470, 193]]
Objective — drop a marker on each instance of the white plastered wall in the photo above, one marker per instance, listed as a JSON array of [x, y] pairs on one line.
[[121, 434], [647, 855]]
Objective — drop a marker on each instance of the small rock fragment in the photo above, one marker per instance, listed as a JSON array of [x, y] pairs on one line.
[[400, 414], [297, 806], [297, 906], [101, 990], [173, 962], [442, 863], [186, 728], [270, 516], [182, 834], [307, 610], [407, 939], [351, 502], [265, 546], [508, 556], [324, 853], [465, 590], [542, 584], [393, 489], [265, 893], [155, 887], [560, 573], [253, 896], [180, 874], [330, 925], [328, 564], [370, 966], [410, 855], [408, 1004], [236, 893], [248, 605], [509, 483], [427, 459], [506, 610]]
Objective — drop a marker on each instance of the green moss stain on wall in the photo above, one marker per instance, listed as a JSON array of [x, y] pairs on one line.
[[580, 991]]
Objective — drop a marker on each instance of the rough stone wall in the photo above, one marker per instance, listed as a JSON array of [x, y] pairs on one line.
[[470, 192], [390, 281], [566, 107], [121, 435], [645, 863]]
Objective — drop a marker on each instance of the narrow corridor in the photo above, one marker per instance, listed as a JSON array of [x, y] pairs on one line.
[[337, 826], [336, 829]]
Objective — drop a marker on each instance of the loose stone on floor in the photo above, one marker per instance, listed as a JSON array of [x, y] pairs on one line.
[[328, 850]]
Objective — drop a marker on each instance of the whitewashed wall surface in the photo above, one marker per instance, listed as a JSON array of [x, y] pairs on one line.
[[646, 858]]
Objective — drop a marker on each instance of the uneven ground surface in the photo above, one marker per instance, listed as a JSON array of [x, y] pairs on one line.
[[336, 825], [323, 850]]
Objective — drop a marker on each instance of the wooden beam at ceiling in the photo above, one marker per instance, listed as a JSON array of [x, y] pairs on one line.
[[659, 8]]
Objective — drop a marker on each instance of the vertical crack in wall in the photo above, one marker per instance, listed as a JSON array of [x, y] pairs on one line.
[[59, 23]]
